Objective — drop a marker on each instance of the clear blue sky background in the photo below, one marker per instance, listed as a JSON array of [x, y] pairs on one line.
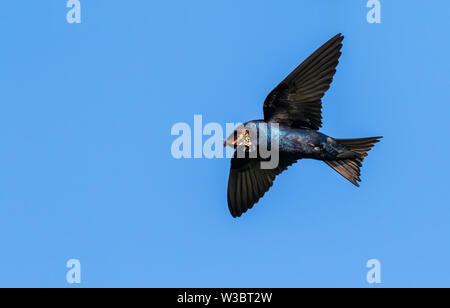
[[86, 169]]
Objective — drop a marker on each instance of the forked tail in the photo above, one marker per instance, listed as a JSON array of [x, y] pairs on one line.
[[349, 167]]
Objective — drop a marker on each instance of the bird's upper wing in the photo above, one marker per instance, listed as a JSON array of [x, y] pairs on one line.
[[248, 182], [296, 101]]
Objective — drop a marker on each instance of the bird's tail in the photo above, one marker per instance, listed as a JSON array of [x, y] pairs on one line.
[[349, 167]]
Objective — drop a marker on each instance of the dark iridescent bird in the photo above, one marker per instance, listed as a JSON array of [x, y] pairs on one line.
[[295, 105]]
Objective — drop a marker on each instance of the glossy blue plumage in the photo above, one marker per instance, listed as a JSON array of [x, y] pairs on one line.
[[299, 142]]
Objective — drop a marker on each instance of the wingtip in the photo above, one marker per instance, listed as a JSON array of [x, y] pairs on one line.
[[338, 38], [235, 215], [378, 139]]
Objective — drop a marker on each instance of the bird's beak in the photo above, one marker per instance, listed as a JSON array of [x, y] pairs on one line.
[[225, 143]]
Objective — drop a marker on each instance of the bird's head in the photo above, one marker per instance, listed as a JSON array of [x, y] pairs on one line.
[[244, 135]]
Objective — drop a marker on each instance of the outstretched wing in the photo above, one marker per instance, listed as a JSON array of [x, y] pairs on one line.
[[297, 100], [248, 182]]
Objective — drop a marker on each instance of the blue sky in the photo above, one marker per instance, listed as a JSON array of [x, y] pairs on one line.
[[87, 173]]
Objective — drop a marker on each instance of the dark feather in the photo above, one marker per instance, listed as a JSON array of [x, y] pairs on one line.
[[247, 182], [297, 100]]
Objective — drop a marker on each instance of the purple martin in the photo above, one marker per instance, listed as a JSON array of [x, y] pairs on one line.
[[295, 105]]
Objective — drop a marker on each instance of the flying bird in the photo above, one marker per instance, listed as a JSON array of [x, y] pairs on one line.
[[295, 105]]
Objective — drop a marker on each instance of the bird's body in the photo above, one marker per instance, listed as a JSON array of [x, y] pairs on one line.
[[307, 143], [292, 117], [300, 142]]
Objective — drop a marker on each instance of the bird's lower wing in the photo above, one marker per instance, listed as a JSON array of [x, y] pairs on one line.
[[248, 182]]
